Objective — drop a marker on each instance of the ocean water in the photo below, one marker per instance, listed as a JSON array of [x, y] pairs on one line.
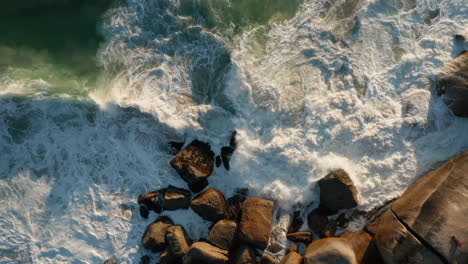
[[90, 94]]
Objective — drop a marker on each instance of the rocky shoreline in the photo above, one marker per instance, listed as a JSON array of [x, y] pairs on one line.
[[427, 224]]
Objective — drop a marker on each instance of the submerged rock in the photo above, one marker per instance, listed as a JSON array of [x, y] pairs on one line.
[[222, 234], [337, 191], [154, 237], [194, 164], [202, 252], [452, 84], [330, 251], [423, 224], [256, 222], [226, 154], [210, 205]]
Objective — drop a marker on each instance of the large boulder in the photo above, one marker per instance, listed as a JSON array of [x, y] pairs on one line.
[[364, 247], [243, 255], [292, 258], [422, 226], [330, 251], [202, 252], [210, 205], [452, 84], [222, 234], [154, 237], [337, 191], [178, 241], [194, 164], [176, 198], [256, 222]]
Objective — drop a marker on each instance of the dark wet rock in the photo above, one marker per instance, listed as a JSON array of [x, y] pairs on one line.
[[218, 161], [243, 255], [153, 200], [268, 259], [198, 186], [292, 258], [459, 37], [364, 247], [175, 146], [210, 205], [194, 163], [317, 220], [167, 258], [176, 198], [234, 207], [222, 234], [329, 231], [452, 84], [233, 141], [330, 251], [296, 222], [305, 237], [292, 248], [226, 154], [337, 191], [202, 252], [178, 242], [420, 225], [144, 212], [256, 222], [145, 259], [154, 237], [342, 221]]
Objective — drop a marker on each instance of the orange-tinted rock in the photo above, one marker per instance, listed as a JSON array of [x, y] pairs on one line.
[[330, 251], [210, 205], [256, 222], [201, 252], [154, 237], [176, 198], [292, 258], [363, 246], [305, 237], [222, 234]]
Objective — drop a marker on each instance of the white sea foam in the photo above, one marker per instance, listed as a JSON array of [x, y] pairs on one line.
[[348, 89]]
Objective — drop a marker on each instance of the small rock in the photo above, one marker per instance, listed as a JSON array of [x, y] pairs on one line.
[[268, 259], [329, 251], [337, 191], [233, 141], [210, 205], [292, 248], [176, 198], [145, 259], [202, 252], [154, 237], [177, 241], [292, 258], [167, 258], [274, 247], [296, 222], [234, 207], [144, 212], [218, 161], [226, 154], [175, 146], [256, 222], [222, 234], [152, 200], [305, 237], [317, 221], [243, 255], [195, 163]]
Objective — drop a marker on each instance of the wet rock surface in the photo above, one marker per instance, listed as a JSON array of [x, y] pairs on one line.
[[210, 205], [337, 192], [154, 237], [256, 222]]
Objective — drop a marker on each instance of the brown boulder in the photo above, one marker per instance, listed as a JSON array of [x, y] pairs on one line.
[[194, 164], [452, 84], [364, 247], [268, 259], [210, 205], [243, 255], [337, 191], [292, 248], [154, 237], [176, 198], [420, 226], [152, 200], [256, 222], [292, 258], [222, 234], [178, 242], [201, 252], [305, 237], [330, 251]]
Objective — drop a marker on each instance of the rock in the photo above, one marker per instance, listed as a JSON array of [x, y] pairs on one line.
[[292, 258], [154, 237], [420, 225], [194, 164], [210, 205], [177, 241], [222, 234], [145, 259], [226, 154], [144, 211], [342, 221], [330, 251], [176, 198], [256, 222], [233, 141], [218, 161], [243, 255], [337, 191], [268, 259], [317, 221], [364, 247], [234, 207], [152, 200], [296, 222], [168, 258], [198, 186], [292, 248], [452, 84], [330, 230], [202, 252], [305, 237], [175, 146]]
